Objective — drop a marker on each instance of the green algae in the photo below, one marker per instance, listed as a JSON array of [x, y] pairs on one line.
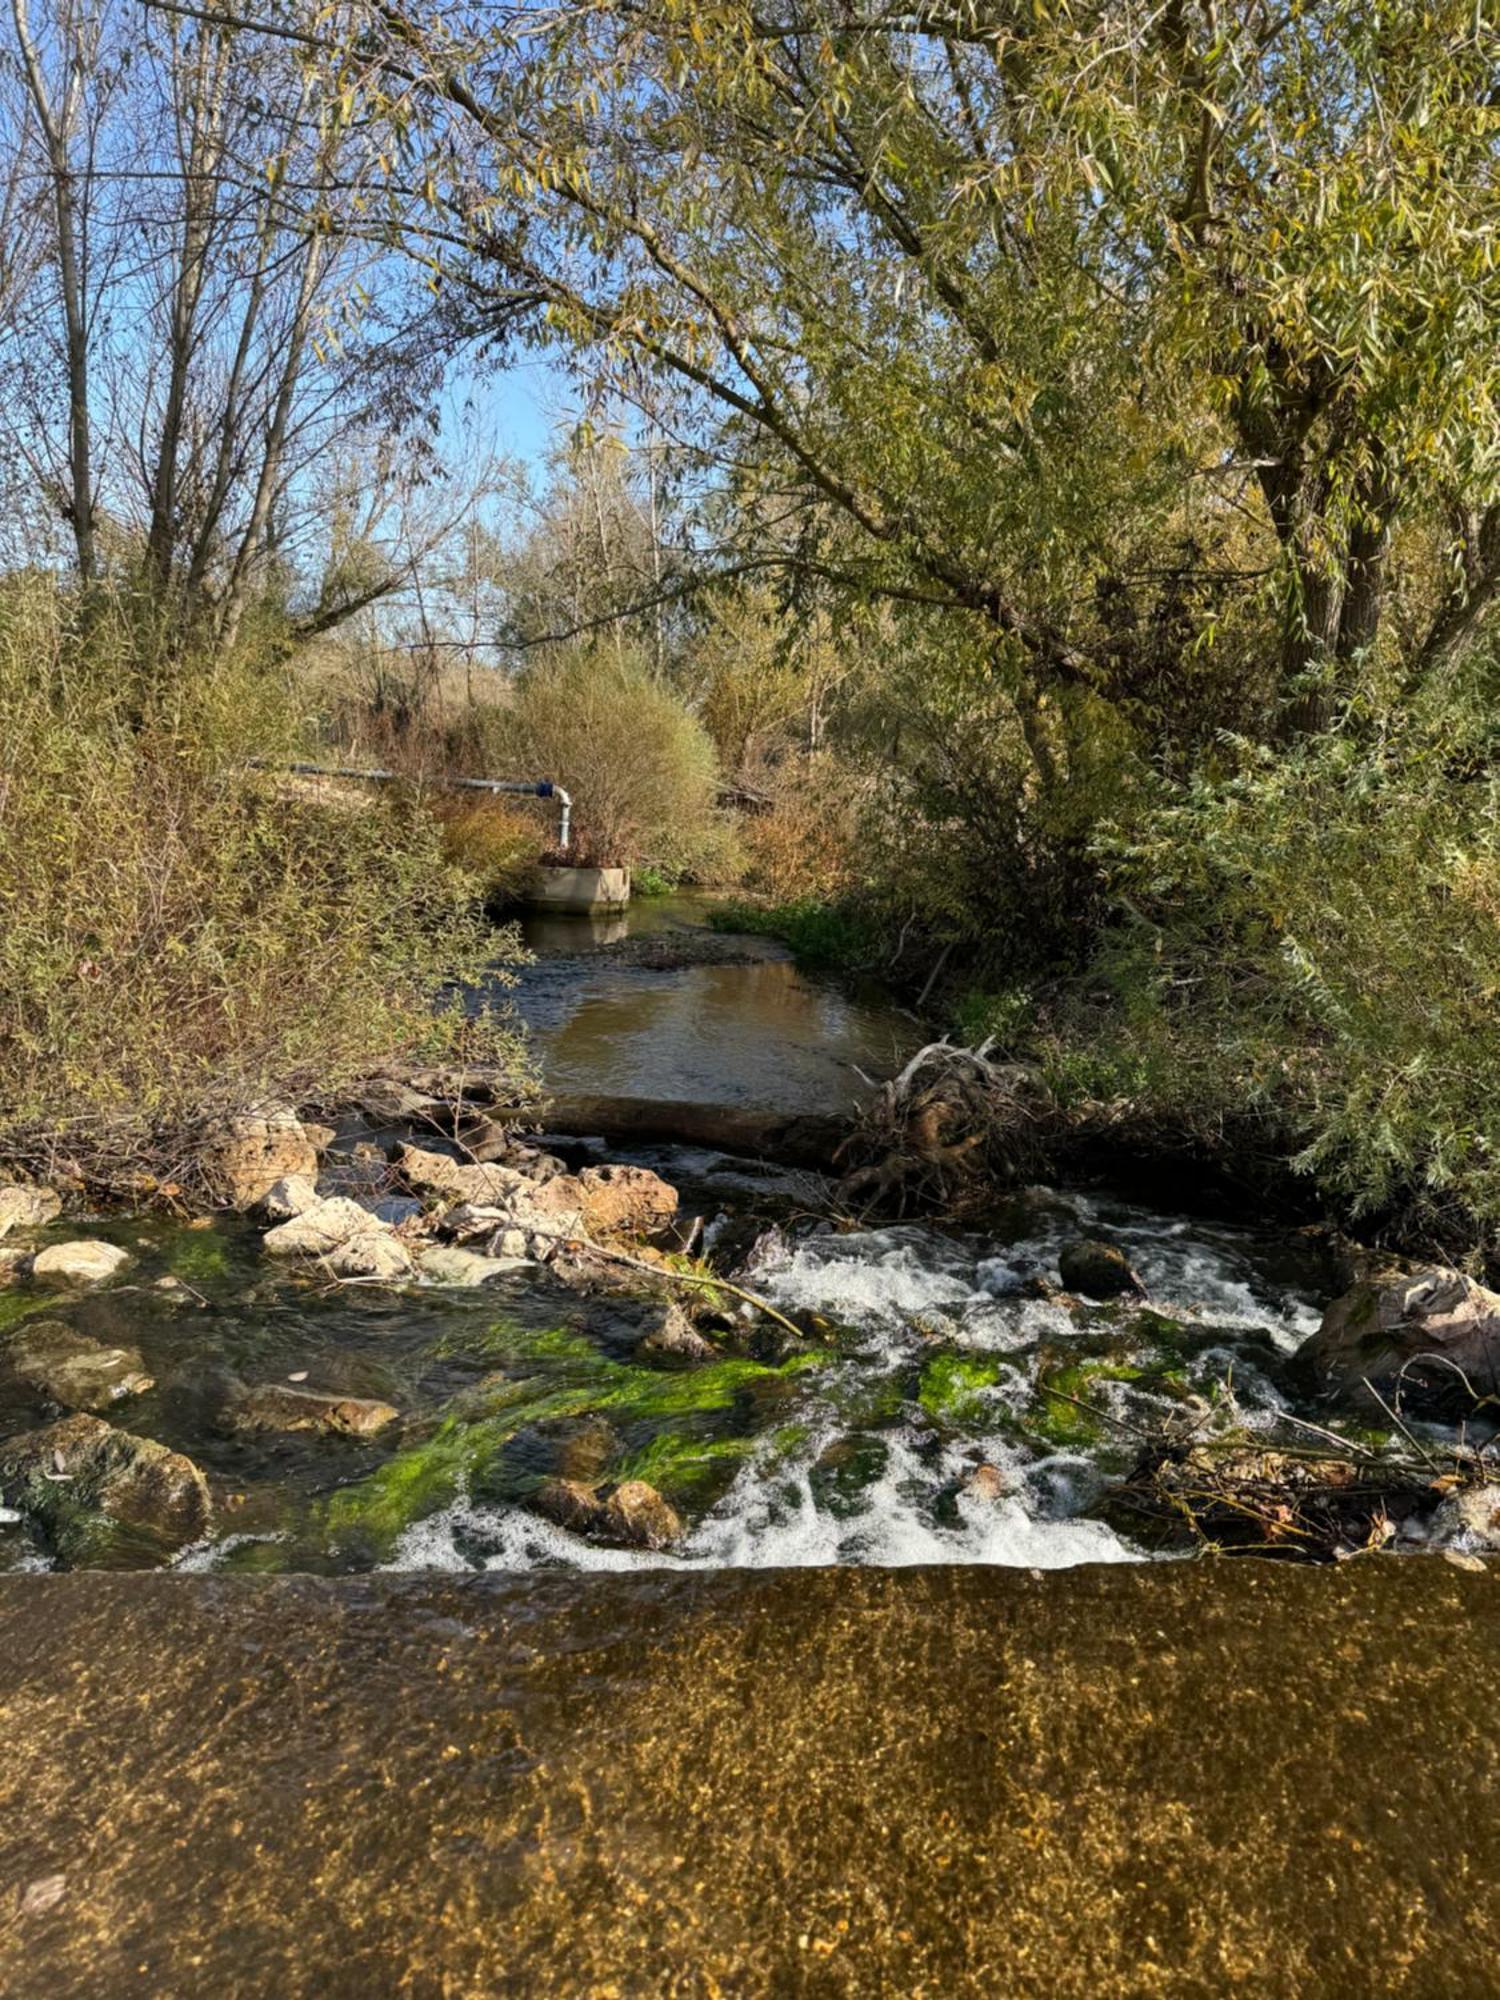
[[953, 1386], [197, 1255], [1055, 1415], [16, 1306], [462, 1453], [675, 1462]]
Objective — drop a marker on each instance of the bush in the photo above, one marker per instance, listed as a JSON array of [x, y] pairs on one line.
[[180, 935], [804, 845], [640, 767], [1313, 939]]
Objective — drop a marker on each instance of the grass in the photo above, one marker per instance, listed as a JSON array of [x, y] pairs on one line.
[[827, 935]]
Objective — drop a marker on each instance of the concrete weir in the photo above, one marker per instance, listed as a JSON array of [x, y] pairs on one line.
[[1170, 1779], [578, 889]]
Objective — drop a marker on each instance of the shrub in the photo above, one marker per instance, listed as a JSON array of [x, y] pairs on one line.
[[1314, 939], [640, 767], [179, 934], [803, 846]]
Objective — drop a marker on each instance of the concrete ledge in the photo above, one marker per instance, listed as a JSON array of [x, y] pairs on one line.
[[1169, 1779], [579, 888]]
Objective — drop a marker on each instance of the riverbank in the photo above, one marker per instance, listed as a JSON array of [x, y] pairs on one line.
[[1182, 1780]]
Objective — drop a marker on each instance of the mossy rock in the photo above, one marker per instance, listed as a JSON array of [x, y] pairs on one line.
[[953, 1389]]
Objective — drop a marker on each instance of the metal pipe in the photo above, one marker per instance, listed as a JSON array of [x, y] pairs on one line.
[[542, 788]]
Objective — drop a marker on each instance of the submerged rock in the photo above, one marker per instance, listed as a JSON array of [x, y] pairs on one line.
[[79, 1373], [278, 1407], [1409, 1336], [344, 1237], [86, 1262], [632, 1514], [675, 1338], [68, 1470], [249, 1154], [27, 1207], [448, 1264], [1099, 1270]]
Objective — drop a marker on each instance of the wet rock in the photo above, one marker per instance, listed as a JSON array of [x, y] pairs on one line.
[[633, 1514], [507, 1199], [1409, 1336], [987, 1483], [276, 1407], [1100, 1270], [27, 1207], [251, 1153], [287, 1198], [79, 1373], [470, 1220], [86, 1262], [345, 1238], [62, 1473], [572, 1450], [1473, 1513], [448, 1264], [675, 1338], [629, 1201]]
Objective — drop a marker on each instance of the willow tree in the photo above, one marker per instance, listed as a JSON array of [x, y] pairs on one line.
[[1106, 326]]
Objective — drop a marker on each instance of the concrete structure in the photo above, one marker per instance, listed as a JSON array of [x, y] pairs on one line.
[[580, 889]]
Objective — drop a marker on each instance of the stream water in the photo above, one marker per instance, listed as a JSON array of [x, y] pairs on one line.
[[938, 1361]]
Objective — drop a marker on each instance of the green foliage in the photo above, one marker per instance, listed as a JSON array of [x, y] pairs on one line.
[[1314, 937], [828, 936], [180, 934]]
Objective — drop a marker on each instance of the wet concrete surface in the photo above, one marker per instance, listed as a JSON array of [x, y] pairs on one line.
[[1172, 1780]]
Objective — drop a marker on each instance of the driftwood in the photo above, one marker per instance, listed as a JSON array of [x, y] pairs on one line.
[[952, 1117]]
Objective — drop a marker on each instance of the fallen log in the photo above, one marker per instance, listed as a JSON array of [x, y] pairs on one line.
[[788, 1138]]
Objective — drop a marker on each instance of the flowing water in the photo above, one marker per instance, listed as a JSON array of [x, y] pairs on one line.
[[948, 1412]]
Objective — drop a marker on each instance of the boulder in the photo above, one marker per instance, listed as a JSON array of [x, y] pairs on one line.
[[27, 1207], [675, 1338], [79, 1373], [1097, 1269], [283, 1200], [86, 1262], [251, 1153], [601, 1200], [344, 1237], [632, 1515], [81, 1465], [282, 1407], [501, 1196], [623, 1201], [467, 1180], [1408, 1334], [448, 1264]]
